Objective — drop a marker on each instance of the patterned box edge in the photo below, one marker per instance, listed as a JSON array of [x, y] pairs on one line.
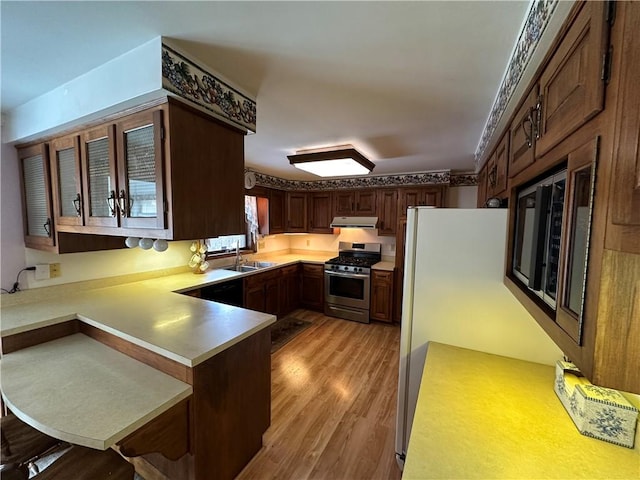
[[575, 407]]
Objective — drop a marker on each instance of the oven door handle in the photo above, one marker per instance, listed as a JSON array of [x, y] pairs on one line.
[[346, 274]]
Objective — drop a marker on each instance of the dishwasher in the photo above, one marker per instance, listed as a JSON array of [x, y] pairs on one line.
[[230, 293]]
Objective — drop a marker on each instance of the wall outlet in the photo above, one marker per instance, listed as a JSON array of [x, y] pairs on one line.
[[308, 243], [42, 272], [54, 270], [260, 244], [46, 271]]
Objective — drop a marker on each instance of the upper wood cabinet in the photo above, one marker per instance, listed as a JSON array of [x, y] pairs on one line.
[[36, 197], [277, 211], [482, 186], [418, 196], [572, 83], [168, 171], [320, 212], [98, 153], [296, 212], [66, 180], [387, 212], [522, 134], [624, 200], [354, 203], [140, 197], [497, 169]]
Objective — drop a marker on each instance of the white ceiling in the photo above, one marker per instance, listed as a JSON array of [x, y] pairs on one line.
[[410, 84]]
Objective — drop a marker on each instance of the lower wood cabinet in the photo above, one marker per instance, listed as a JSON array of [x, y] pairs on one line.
[[312, 291], [261, 292], [381, 307], [289, 294]]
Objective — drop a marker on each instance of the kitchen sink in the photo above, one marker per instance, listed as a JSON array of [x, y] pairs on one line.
[[257, 264], [249, 266], [241, 268]]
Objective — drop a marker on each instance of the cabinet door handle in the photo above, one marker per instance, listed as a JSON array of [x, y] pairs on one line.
[[493, 173], [47, 227], [111, 201], [76, 203], [528, 133], [538, 117], [122, 203]]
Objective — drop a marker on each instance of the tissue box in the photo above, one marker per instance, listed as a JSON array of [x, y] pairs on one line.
[[598, 412]]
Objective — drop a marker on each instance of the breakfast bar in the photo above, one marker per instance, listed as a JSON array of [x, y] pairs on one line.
[[179, 385]]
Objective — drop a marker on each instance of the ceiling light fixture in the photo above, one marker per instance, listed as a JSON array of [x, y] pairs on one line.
[[340, 161]]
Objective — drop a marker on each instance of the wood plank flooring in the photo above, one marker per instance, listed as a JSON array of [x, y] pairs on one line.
[[333, 404]]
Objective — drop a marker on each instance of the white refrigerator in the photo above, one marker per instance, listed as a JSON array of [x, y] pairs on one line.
[[454, 294]]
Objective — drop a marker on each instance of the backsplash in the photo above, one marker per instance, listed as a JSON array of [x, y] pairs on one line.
[[326, 242], [78, 267]]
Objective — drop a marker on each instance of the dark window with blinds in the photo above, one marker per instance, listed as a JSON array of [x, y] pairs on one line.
[[99, 179], [141, 172], [35, 196], [66, 163]]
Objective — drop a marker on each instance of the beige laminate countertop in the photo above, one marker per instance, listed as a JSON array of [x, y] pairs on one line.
[[152, 315], [483, 416], [83, 392]]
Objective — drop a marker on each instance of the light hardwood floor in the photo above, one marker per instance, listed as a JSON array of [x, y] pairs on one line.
[[333, 404]]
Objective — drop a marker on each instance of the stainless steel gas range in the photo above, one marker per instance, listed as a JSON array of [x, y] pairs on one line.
[[347, 281]]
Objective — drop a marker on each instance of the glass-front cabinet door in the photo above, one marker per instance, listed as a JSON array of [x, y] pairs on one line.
[[66, 181], [140, 195], [36, 196], [577, 230], [99, 177]]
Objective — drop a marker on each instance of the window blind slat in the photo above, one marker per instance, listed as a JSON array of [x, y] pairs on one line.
[[35, 196], [141, 172], [66, 162], [99, 177]]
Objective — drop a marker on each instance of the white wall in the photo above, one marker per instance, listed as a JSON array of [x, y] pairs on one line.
[[129, 79], [462, 197], [12, 252]]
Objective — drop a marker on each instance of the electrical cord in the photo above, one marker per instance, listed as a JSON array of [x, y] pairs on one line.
[[16, 284]]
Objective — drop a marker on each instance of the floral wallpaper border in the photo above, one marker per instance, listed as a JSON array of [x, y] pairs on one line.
[[192, 82], [540, 13], [443, 177]]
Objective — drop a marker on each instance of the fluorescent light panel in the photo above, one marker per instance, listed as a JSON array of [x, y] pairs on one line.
[[339, 167], [338, 162]]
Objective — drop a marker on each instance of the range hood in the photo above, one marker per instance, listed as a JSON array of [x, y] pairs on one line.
[[354, 222]]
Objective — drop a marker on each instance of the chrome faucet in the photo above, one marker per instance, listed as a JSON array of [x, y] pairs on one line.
[[238, 256]]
